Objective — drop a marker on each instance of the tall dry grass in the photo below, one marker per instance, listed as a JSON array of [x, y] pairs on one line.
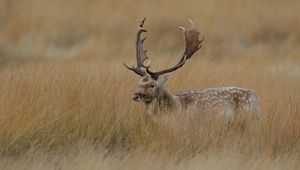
[[65, 98], [62, 108]]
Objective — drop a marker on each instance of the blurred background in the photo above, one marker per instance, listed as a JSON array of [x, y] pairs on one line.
[[104, 30], [64, 89]]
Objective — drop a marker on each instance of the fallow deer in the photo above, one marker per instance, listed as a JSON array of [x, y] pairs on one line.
[[157, 99]]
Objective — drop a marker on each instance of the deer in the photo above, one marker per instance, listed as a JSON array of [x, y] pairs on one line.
[[157, 99]]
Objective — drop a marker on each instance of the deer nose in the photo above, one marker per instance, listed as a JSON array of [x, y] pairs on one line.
[[135, 97]]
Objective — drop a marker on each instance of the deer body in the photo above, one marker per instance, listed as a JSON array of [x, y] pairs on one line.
[[157, 99], [227, 101]]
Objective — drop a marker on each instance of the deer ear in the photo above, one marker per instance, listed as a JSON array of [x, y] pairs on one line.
[[163, 79]]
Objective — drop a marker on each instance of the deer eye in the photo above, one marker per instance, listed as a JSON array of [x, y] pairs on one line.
[[151, 86]]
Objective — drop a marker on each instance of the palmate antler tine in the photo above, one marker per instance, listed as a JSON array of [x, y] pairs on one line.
[[141, 56], [192, 44]]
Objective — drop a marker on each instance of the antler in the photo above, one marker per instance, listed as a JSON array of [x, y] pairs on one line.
[[192, 44], [140, 52]]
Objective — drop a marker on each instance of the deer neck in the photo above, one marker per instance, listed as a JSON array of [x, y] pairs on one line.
[[163, 102]]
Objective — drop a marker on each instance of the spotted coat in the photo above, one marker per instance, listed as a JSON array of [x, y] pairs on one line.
[[227, 100]]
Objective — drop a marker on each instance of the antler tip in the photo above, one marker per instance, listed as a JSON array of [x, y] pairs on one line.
[[144, 38], [202, 39], [126, 66], [193, 24], [181, 28], [141, 23]]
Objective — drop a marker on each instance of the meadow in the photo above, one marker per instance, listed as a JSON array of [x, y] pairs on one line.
[[65, 96]]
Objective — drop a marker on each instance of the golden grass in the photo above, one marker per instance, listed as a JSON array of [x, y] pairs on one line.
[[65, 98], [62, 108]]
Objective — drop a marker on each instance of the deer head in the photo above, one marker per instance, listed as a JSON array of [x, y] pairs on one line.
[[151, 85]]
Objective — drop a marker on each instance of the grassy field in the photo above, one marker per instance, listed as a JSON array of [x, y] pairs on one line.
[[65, 97]]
